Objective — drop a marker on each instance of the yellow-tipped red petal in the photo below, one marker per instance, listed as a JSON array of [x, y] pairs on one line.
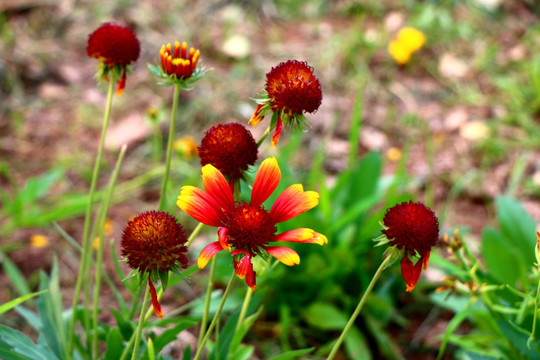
[[217, 186], [284, 254], [224, 238], [155, 302], [208, 253], [199, 205], [410, 272], [256, 118], [242, 266], [121, 84], [425, 260], [277, 133], [293, 202], [266, 181], [302, 235]]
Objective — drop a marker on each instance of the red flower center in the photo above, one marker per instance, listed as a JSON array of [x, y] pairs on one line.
[[116, 45], [249, 227]]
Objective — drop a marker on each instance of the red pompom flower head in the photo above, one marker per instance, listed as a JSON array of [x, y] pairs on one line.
[[247, 229], [178, 65], [153, 243], [117, 48], [230, 148], [291, 90], [410, 229]]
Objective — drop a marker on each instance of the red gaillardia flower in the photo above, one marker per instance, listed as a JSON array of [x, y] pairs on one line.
[[178, 65], [116, 47], [247, 229], [291, 90], [154, 243], [230, 148], [411, 229]]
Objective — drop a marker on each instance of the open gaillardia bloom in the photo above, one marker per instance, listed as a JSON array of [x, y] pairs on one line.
[[154, 243], [178, 65], [230, 148], [410, 229], [117, 48], [248, 229], [291, 90]]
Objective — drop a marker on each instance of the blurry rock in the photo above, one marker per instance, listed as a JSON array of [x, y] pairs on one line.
[[394, 21], [475, 130], [491, 5], [373, 139], [456, 118], [128, 130], [452, 67], [237, 46], [52, 91]]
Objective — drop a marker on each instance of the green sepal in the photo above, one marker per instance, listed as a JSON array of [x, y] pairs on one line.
[[394, 253], [164, 277], [185, 84], [142, 278], [132, 273]]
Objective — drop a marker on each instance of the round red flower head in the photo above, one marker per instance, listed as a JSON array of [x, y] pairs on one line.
[[178, 65], [230, 148], [411, 229], [291, 90], [248, 229], [116, 47], [154, 243]]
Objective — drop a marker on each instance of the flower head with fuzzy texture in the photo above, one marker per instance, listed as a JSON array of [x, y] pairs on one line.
[[154, 242], [411, 228], [291, 90], [248, 229], [230, 148], [116, 47]]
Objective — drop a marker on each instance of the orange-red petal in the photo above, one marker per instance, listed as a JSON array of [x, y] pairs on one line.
[[217, 186], [302, 235], [155, 302], [425, 260], [224, 238], [242, 266], [256, 118], [284, 254], [121, 84], [410, 272], [266, 181], [208, 253], [277, 132], [199, 205], [293, 202]]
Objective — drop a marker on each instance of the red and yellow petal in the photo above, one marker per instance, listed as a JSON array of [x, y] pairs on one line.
[[277, 132], [266, 181], [302, 235], [256, 118], [243, 265], [425, 260], [155, 302], [410, 272], [199, 205], [224, 238], [121, 84], [284, 254], [217, 186], [293, 202], [208, 253]]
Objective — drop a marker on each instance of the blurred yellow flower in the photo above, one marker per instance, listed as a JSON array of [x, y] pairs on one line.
[[408, 41], [186, 146], [109, 226], [393, 154], [39, 241]]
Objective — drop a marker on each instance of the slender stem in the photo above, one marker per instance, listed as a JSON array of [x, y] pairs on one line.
[[214, 320], [194, 233], [140, 325], [358, 308], [99, 260], [535, 311], [245, 305], [264, 135], [86, 245], [162, 202], [207, 301]]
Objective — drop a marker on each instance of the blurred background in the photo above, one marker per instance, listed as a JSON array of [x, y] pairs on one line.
[[455, 127]]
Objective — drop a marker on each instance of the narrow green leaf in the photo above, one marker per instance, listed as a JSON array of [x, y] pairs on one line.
[[356, 345], [11, 304], [325, 316], [22, 345], [151, 352], [170, 334], [242, 331], [17, 279], [115, 345], [292, 354]]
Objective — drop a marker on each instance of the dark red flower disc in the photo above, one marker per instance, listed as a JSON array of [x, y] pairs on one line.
[[116, 45]]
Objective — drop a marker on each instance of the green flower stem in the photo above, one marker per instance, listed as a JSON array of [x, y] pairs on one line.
[[207, 301], [86, 244], [535, 311], [263, 137], [140, 325], [99, 260], [194, 233], [358, 308], [215, 319], [162, 202], [245, 305]]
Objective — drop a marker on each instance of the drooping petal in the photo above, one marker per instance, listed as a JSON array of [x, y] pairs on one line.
[[410, 272], [217, 186], [251, 279], [425, 260], [208, 253], [155, 302], [277, 132], [302, 235], [293, 202], [256, 118], [242, 266], [284, 254], [266, 181], [199, 205], [121, 84], [224, 238]]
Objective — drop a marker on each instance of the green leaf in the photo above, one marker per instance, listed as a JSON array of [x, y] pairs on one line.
[[115, 345], [504, 266], [242, 330], [170, 334], [243, 352], [151, 351], [519, 338], [356, 345], [125, 326], [164, 277], [24, 346], [11, 304], [17, 279], [325, 316], [292, 354]]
